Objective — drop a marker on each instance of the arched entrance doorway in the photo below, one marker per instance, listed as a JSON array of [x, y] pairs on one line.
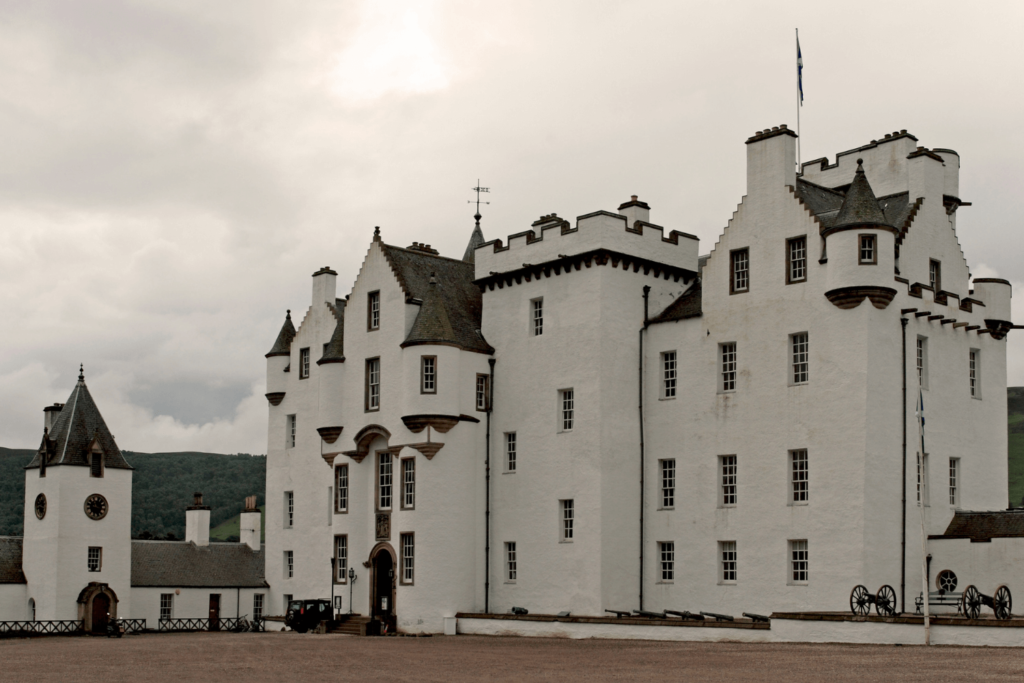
[[95, 602], [100, 610], [382, 584]]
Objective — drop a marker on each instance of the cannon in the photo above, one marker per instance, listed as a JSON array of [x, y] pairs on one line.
[[757, 617], [1001, 602], [649, 615], [618, 613], [717, 617], [884, 601], [684, 615]]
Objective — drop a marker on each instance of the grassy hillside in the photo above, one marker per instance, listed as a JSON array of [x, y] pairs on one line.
[[1015, 408], [163, 484], [228, 530]]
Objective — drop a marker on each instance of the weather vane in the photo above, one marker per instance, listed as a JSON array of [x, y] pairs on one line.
[[478, 190]]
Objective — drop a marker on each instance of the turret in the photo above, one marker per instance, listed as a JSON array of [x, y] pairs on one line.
[[278, 361]]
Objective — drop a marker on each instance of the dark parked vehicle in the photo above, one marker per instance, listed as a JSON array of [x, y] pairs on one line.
[[305, 615]]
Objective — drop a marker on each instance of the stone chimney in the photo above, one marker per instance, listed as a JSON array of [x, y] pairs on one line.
[[771, 161], [325, 287], [635, 210], [50, 414], [249, 528], [197, 522]]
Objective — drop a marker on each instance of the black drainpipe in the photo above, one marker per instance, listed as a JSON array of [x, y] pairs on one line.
[[647, 291], [903, 541], [487, 467]]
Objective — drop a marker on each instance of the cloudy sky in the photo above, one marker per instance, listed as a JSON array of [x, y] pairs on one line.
[[173, 172]]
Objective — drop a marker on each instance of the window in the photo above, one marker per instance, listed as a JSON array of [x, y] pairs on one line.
[[799, 345], [289, 509], [954, 482], [510, 451], [537, 308], [798, 479], [373, 384], [341, 488], [668, 561], [373, 311], [384, 480], [739, 271], [408, 558], [668, 483], [303, 363], [95, 559], [96, 463], [408, 483], [428, 374], [568, 409], [922, 362], [935, 275], [728, 364], [922, 479], [32, 608], [341, 559], [510, 562], [668, 365], [796, 260], [257, 606], [166, 606], [727, 553], [289, 437], [798, 561], [289, 564], [482, 399], [567, 520], [868, 255], [728, 468], [975, 374]]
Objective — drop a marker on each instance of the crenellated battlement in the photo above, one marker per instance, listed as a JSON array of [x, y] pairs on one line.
[[627, 232]]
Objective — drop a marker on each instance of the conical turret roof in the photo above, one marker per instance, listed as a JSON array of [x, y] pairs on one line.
[[283, 345], [860, 207], [334, 352], [77, 431], [475, 240], [432, 324]]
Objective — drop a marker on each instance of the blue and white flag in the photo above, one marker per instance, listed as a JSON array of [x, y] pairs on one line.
[[799, 69]]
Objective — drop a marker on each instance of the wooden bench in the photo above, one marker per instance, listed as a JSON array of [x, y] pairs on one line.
[[939, 599]]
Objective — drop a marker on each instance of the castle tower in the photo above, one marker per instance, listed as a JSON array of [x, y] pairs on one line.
[[78, 510]]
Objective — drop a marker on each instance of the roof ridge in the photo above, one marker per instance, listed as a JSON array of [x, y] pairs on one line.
[[423, 253], [821, 187]]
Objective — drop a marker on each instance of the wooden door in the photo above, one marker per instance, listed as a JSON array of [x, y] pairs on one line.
[[100, 609], [214, 611]]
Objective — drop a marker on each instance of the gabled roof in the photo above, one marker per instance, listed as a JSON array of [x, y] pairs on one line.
[[860, 207], [823, 202], [77, 430], [475, 240], [179, 564], [686, 306], [335, 350], [984, 526], [10, 560], [461, 298], [283, 345]]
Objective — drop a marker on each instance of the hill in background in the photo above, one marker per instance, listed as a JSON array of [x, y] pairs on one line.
[[163, 484], [1015, 457]]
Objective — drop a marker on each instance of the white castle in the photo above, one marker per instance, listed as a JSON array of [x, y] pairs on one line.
[[589, 416]]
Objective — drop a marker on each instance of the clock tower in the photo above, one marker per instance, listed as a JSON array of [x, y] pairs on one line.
[[78, 511]]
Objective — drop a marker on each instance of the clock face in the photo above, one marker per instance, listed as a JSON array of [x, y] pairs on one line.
[[40, 506], [96, 506]]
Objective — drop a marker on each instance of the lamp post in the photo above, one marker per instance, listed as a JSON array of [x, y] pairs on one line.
[[334, 574], [351, 580]]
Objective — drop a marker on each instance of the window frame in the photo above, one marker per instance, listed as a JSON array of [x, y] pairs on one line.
[[289, 509], [667, 561], [733, 253], [424, 362], [167, 598], [974, 372], [259, 605], [96, 465], [511, 562], [667, 477], [373, 310], [482, 392], [724, 562], [669, 375], [935, 275], [372, 365], [96, 566], [379, 481], [511, 452], [566, 410], [799, 371], [289, 564], [921, 361], [304, 363], [537, 317], [727, 384], [954, 482], [790, 243], [291, 431], [566, 520], [341, 559], [799, 477], [407, 560], [408, 493], [728, 482], [861, 261], [341, 489], [798, 555]]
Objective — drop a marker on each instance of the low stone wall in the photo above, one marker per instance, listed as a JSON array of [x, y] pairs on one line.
[[550, 626]]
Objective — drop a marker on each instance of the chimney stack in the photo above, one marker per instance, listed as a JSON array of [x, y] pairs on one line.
[[635, 210], [249, 524], [197, 522], [50, 414], [325, 286]]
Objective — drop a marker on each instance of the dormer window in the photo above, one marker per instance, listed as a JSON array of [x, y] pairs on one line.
[[373, 311], [96, 464]]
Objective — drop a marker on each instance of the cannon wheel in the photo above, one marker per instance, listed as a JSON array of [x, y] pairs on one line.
[[1002, 603], [885, 601], [972, 602], [860, 601]]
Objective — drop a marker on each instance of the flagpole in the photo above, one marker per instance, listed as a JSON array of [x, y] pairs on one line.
[[798, 101], [922, 488]]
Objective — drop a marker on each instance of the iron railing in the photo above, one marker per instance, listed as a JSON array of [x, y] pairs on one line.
[[132, 625], [41, 627], [206, 624]]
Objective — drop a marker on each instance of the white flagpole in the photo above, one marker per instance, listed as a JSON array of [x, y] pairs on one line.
[[924, 536]]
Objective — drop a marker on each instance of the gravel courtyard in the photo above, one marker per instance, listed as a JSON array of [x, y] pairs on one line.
[[293, 657]]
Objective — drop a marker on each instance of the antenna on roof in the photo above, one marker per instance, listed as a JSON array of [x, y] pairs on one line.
[[478, 190]]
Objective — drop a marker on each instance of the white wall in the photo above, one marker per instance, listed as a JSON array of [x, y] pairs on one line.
[[194, 603], [14, 602]]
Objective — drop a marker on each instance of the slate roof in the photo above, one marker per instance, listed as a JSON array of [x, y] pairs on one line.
[[283, 345], [461, 298], [822, 201], [984, 526], [178, 564], [860, 207], [335, 351], [432, 324], [475, 240], [76, 427], [896, 207], [686, 306], [10, 560]]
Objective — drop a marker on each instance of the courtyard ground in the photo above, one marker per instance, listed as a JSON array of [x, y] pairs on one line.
[[302, 658]]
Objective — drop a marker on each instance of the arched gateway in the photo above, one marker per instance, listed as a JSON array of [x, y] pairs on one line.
[[382, 584], [95, 602]]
